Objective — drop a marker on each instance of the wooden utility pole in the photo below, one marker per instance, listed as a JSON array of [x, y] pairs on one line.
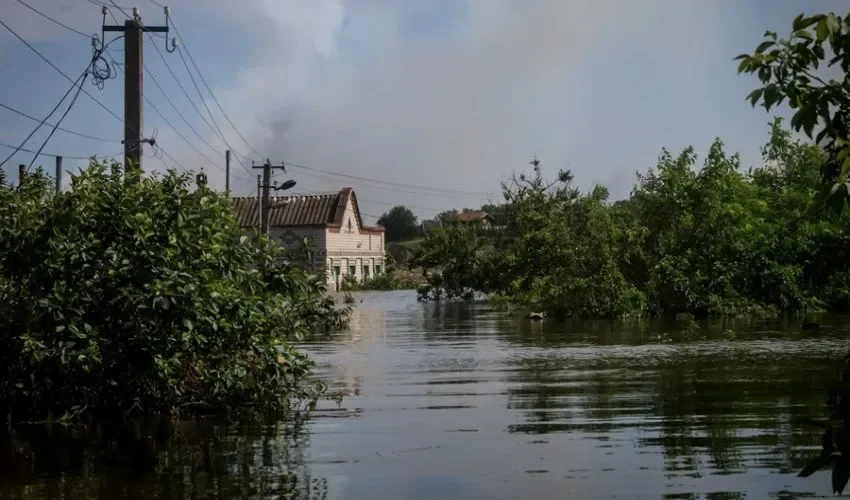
[[133, 88], [22, 172], [259, 202], [266, 185], [227, 173], [58, 174]]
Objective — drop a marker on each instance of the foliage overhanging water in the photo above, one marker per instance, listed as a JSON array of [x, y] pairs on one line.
[[461, 401]]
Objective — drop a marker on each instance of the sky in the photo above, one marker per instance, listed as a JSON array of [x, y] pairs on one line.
[[425, 103]]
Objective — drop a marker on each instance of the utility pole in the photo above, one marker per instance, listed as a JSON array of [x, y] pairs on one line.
[[266, 185], [22, 172], [58, 174], [259, 200], [227, 173], [133, 84]]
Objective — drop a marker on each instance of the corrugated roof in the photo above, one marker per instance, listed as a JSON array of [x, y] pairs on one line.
[[304, 210], [471, 216], [310, 210]]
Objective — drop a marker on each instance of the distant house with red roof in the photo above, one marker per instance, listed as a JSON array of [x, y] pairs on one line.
[[472, 217], [339, 243]]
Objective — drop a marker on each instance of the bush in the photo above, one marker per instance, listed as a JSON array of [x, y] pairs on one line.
[[127, 295]]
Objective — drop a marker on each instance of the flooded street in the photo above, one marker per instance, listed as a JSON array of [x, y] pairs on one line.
[[461, 401]]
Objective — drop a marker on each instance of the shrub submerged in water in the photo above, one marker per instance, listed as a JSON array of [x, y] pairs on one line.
[[127, 295]]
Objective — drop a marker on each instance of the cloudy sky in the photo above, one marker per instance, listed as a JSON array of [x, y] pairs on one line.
[[427, 103]]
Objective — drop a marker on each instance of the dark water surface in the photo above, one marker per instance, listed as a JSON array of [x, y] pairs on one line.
[[460, 401]]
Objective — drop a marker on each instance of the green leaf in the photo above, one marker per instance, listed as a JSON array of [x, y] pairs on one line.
[[822, 30], [833, 23], [771, 96], [801, 22], [804, 34], [764, 46], [754, 96]]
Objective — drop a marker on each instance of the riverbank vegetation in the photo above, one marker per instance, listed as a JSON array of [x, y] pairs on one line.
[[393, 278], [715, 240], [129, 296], [709, 240]]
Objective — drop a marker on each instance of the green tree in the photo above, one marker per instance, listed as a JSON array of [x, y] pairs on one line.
[[127, 295], [791, 68], [400, 224], [706, 239]]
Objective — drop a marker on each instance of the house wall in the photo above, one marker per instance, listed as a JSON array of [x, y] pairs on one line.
[[350, 246], [292, 238]]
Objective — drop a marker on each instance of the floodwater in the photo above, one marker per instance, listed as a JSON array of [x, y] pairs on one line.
[[460, 401]]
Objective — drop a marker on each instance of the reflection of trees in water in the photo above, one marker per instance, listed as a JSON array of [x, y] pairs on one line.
[[708, 407], [192, 459], [835, 439]]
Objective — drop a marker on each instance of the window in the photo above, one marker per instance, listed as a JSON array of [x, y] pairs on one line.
[[352, 270], [349, 226], [336, 277], [377, 269], [365, 272]]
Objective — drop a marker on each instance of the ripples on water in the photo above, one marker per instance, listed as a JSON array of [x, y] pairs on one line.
[[461, 401]]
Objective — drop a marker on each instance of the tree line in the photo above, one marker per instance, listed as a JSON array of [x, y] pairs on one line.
[[704, 240]]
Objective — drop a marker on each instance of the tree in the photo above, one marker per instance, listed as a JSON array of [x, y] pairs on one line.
[[126, 295], [789, 68], [400, 224]]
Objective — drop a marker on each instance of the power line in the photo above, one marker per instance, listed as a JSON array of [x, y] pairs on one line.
[[206, 85], [176, 110], [170, 102], [42, 14], [41, 122], [58, 70], [69, 131], [422, 190], [198, 90], [167, 122], [9, 146], [50, 63], [68, 110]]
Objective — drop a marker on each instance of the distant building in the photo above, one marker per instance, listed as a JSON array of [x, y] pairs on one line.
[[430, 225], [337, 241], [473, 217]]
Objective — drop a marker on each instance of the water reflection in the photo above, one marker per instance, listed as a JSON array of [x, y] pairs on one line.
[[463, 401], [159, 459]]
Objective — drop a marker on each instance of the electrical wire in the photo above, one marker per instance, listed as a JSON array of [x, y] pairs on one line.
[[41, 122], [204, 102], [42, 14], [58, 70], [50, 63], [9, 146], [170, 102], [422, 190], [206, 85], [155, 81], [179, 134], [53, 130], [69, 131]]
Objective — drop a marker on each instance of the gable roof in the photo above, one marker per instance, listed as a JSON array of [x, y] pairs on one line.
[[325, 210], [472, 216]]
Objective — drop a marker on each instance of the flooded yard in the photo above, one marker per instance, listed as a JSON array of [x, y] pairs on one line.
[[461, 401]]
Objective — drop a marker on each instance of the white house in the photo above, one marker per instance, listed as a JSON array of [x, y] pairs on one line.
[[339, 243]]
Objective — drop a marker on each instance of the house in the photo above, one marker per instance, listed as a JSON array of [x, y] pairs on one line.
[[323, 231], [473, 217], [430, 225]]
